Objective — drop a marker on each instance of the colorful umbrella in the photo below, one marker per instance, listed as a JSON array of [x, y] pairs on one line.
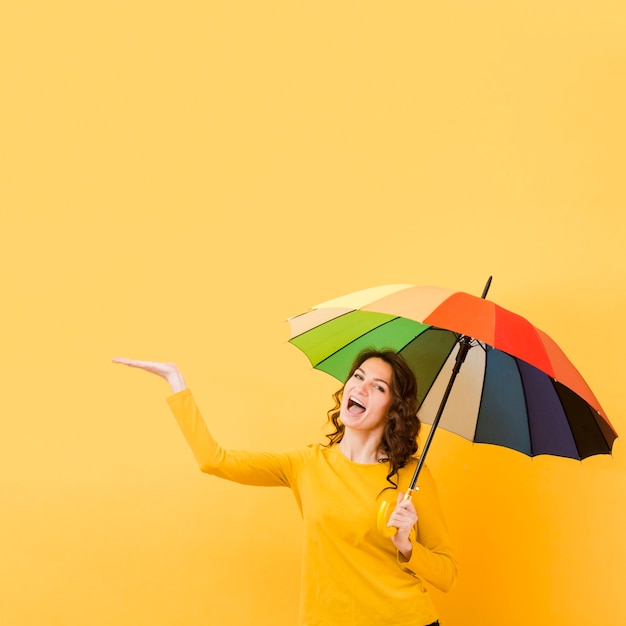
[[516, 388]]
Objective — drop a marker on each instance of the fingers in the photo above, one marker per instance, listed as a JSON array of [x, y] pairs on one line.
[[154, 367], [167, 371], [134, 362], [121, 360], [404, 512], [403, 502], [404, 516]]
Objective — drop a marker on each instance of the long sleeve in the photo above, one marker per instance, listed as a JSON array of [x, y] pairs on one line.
[[250, 468], [350, 572], [432, 558]]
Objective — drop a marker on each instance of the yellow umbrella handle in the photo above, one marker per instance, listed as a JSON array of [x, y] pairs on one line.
[[384, 513]]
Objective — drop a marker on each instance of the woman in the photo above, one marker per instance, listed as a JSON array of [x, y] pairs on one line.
[[352, 575]]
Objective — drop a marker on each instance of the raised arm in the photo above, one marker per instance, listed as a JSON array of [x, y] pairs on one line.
[[251, 468], [167, 371]]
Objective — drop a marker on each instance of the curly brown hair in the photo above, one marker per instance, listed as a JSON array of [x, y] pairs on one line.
[[399, 438]]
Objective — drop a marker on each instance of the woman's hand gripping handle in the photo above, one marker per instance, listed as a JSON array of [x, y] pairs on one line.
[[397, 524]]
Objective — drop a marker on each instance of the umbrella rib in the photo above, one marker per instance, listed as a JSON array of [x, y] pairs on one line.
[[349, 343], [592, 424], [569, 426], [442, 362], [483, 346], [480, 344], [519, 373]]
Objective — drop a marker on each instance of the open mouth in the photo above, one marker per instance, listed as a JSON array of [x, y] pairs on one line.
[[354, 406]]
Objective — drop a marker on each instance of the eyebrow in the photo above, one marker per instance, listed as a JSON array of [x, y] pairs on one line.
[[380, 380]]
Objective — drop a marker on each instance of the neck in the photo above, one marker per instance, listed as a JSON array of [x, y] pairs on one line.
[[360, 448]]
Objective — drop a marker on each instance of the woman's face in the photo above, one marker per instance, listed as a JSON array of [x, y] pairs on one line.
[[367, 396]]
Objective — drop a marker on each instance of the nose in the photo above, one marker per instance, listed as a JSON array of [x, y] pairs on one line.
[[361, 387]]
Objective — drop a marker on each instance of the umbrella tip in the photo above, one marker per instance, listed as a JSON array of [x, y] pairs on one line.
[[486, 289]]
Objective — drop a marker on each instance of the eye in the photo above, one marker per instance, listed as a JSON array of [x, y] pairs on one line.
[[379, 388], [357, 375]]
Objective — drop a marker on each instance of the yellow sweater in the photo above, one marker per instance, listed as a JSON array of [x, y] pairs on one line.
[[351, 574]]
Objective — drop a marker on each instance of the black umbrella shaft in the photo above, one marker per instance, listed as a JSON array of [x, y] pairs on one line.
[[465, 343], [486, 289], [464, 346]]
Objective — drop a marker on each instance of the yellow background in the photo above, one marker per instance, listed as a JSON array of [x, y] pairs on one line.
[[178, 178]]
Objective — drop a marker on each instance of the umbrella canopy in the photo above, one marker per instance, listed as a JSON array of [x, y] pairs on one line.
[[516, 388]]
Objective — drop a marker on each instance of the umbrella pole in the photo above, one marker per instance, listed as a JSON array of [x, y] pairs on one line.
[[486, 289], [464, 346]]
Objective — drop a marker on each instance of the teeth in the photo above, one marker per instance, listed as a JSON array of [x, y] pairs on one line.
[[355, 401]]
